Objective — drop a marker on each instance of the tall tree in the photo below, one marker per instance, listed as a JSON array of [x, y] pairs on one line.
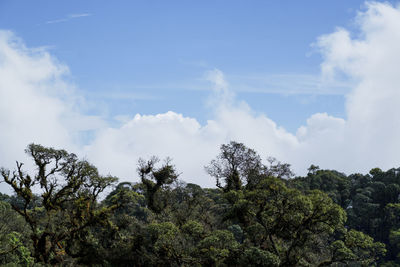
[[68, 190], [155, 179], [235, 166]]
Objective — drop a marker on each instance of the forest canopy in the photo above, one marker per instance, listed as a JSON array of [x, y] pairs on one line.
[[257, 215]]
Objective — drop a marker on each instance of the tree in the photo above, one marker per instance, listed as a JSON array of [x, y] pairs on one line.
[[357, 249], [235, 166], [68, 189], [217, 248], [333, 183], [297, 228], [313, 169], [155, 179], [278, 169], [238, 166]]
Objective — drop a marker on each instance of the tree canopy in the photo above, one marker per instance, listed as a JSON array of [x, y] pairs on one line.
[[259, 214]]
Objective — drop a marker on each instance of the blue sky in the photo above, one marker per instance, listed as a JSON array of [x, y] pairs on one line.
[[150, 56], [307, 82]]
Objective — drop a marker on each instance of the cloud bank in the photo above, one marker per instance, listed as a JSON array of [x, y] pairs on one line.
[[37, 104]]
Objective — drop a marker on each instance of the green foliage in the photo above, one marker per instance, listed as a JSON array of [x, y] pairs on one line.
[[288, 223], [154, 179], [371, 201], [163, 237], [234, 166], [257, 215], [20, 254], [217, 248], [335, 184], [364, 248], [193, 229], [68, 192], [255, 256], [13, 248]]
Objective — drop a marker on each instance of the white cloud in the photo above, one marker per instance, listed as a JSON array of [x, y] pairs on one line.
[[190, 144], [69, 17], [373, 113], [169, 134], [79, 15], [36, 105]]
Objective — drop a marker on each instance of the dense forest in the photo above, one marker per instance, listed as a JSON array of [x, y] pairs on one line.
[[257, 215]]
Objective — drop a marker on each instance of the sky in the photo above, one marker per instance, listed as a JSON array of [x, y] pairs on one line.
[[307, 82]]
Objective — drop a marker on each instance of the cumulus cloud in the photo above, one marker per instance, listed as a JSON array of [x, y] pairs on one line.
[[190, 144], [38, 104], [369, 136]]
